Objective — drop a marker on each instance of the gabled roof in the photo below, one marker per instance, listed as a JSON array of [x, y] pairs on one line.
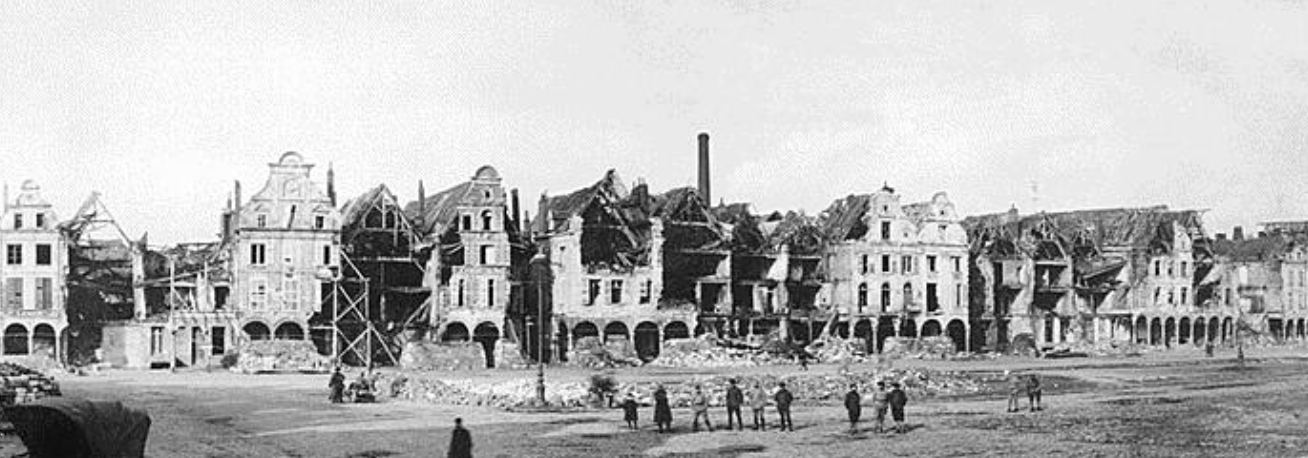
[[1142, 228], [440, 210], [843, 220], [354, 209], [608, 190], [1257, 249]]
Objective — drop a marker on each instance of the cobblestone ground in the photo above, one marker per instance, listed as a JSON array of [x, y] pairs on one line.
[[1176, 404]]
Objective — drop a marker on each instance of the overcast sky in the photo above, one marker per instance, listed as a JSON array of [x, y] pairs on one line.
[[1194, 104]]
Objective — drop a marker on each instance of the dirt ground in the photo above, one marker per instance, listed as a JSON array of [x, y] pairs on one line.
[[1161, 405]]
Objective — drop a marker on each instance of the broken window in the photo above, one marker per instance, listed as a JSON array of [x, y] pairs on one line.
[[885, 230], [615, 292], [467, 222], [1158, 294], [592, 291], [931, 263], [44, 293], [645, 291], [907, 262], [258, 254], [462, 294], [1171, 297], [958, 264], [865, 264], [326, 255], [1185, 295], [885, 297], [18, 221], [1171, 268], [43, 257], [487, 254], [290, 292], [1158, 268], [156, 339], [486, 220], [958, 296], [862, 296], [933, 301], [258, 293], [490, 292], [220, 297], [14, 293], [40, 220], [885, 263], [218, 344], [908, 294], [13, 254], [319, 222], [1185, 269], [261, 220]]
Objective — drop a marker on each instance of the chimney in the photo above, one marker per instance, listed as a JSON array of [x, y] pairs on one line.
[[517, 222], [422, 207], [331, 184], [704, 191], [1237, 234]]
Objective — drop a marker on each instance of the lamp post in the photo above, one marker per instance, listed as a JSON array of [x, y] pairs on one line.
[[541, 338], [1242, 279]]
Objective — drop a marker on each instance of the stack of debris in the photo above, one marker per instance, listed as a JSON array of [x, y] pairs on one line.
[[508, 355], [503, 395], [21, 385], [280, 355], [590, 352], [429, 356], [935, 347], [707, 351], [832, 349]]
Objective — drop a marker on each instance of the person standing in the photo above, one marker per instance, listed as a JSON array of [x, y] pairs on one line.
[[337, 385], [853, 407], [662, 411], [460, 441], [1015, 388], [735, 398], [881, 403], [1033, 392], [700, 404], [783, 399], [897, 402], [629, 413], [758, 401]]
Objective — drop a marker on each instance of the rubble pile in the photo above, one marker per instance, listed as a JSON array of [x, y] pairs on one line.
[[280, 355], [502, 395], [707, 351], [834, 349], [430, 356], [935, 347], [508, 355], [591, 353], [21, 385]]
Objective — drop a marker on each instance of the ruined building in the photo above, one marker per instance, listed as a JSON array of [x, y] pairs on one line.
[[477, 252], [32, 276], [1262, 281], [1115, 275], [897, 269]]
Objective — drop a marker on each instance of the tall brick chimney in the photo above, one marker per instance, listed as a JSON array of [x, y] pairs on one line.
[[704, 190]]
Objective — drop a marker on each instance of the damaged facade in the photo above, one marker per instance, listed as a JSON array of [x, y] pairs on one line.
[[1264, 280], [32, 314], [1093, 276]]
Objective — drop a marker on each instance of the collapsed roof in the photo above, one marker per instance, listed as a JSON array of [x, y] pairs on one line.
[[1149, 228]]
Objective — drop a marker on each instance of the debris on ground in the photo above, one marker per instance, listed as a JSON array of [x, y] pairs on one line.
[[934, 347], [591, 353], [20, 384], [431, 356], [280, 355]]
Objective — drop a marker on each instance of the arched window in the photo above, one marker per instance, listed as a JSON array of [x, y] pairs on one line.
[[862, 296], [885, 297], [486, 220]]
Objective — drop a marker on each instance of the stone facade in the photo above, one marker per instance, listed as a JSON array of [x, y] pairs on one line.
[[32, 287]]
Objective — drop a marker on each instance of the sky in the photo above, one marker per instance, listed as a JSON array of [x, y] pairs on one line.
[[1046, 105]]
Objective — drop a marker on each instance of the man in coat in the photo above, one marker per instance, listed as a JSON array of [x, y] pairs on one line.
[[700, 404], [853, 407], [880, 404], [783, 399], [337, 386], [897, 402], [460, 441], [735, 398], [758, 400], [662, 410]]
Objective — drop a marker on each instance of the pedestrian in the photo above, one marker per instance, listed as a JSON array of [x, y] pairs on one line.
[[700, 404], [758, 400], [337, 386], [735, 398], [1208, 348], [629, 413], [662, 411], [1015, 388], [897, 402], [853, 407], [783, 399], [881, 403], [803, 360], [460, 441], [1033, 392]]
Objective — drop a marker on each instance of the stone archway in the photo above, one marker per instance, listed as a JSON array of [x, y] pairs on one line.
[[256, 330], [15, 340], [863, 331], [1228, 329], [1155, 331], [1141, 330], [1200, 331], [1214, 329], [1169, 331], [584, 329], [885, 329], [616, 330], [1183, 331], [957, 332], [45, 340], [487, 334], [931, 328], [676, 330], [455, 332], [908, 328], [289, 331], [647, 341]]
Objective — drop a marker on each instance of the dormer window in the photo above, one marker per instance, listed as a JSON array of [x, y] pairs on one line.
[[885, 230], [486, 220], [467, 222], [261, 220], [18, 221], [40, 220], [319, 222]]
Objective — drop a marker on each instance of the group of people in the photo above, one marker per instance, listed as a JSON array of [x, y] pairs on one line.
[[1023, 383], [757, 398], [361, 390]]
